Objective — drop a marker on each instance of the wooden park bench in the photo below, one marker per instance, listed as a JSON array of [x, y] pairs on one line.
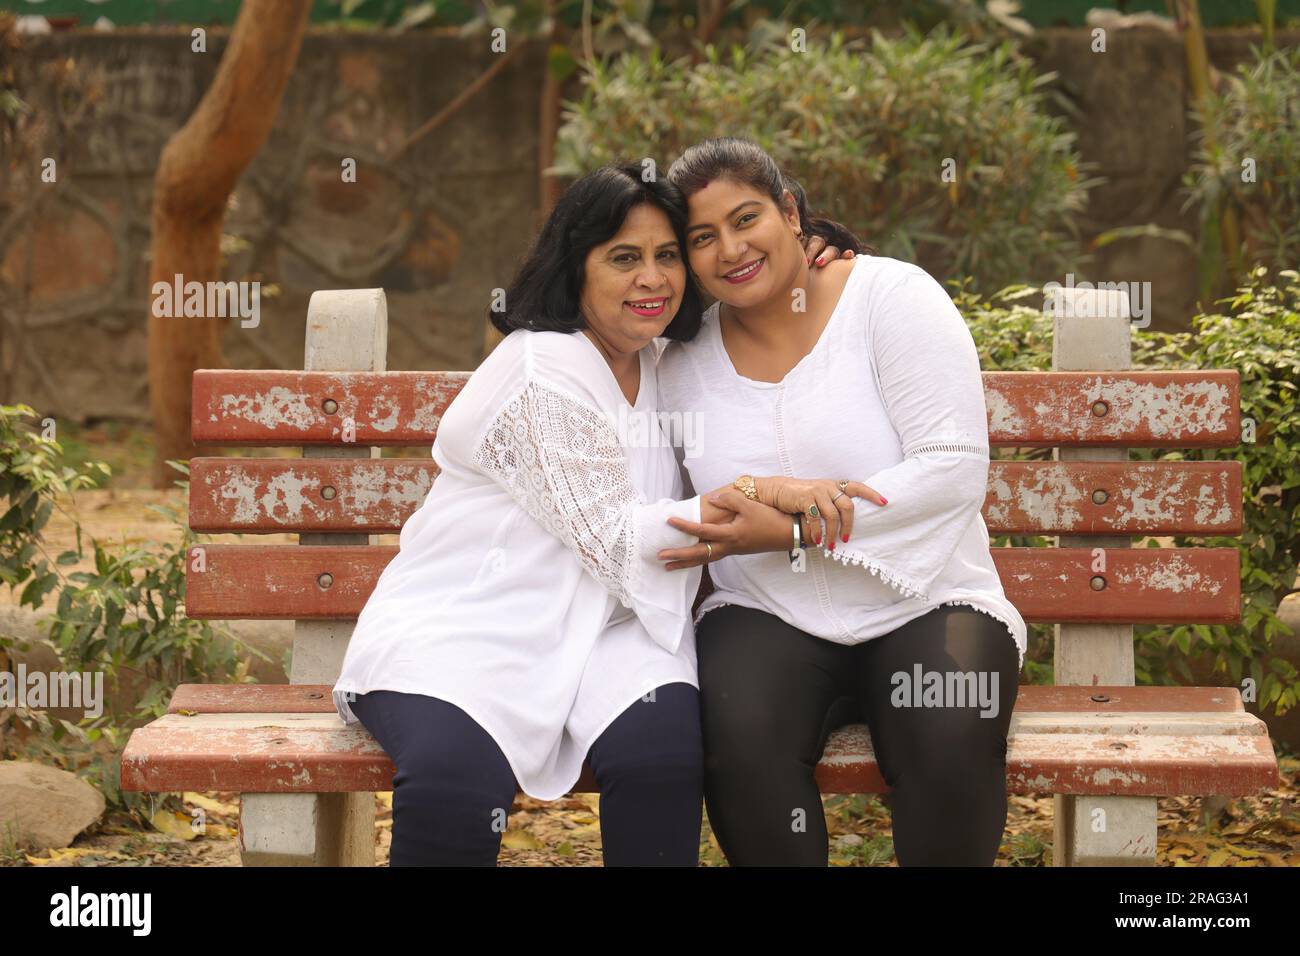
[[1104, 748]]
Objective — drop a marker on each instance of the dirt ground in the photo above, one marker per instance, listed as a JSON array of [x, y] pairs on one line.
[[1258, 831]]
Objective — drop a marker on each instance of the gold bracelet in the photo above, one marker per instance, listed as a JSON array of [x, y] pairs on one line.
[[745, 483]]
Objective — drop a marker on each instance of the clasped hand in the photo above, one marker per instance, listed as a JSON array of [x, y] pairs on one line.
[[732, 524]]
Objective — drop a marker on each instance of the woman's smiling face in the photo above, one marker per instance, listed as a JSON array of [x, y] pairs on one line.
[[742, 249], [634, 283]]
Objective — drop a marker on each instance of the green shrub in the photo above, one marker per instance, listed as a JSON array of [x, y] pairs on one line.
[[1257, 118], [125, 617], [867, 131], [1258, 334], [32, 477]]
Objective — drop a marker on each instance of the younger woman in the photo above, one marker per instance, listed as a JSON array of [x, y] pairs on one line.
[[862, 371]]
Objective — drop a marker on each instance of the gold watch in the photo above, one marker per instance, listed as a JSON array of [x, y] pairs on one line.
[[745, 483]]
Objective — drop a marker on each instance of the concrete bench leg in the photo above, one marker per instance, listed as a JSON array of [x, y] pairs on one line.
[[307, 829], [346, 330], [1104, 831], [1091, 331]]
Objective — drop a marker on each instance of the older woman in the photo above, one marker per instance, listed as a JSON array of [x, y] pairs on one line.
[[526, 622], [862, 370]]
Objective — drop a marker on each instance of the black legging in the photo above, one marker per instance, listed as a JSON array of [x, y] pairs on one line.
[[453, 787], [770, 694]]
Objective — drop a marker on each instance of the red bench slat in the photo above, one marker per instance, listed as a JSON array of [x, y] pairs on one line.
[[1143, 585], [310, 750], [277, 495], [1166, 497], [1176, 409], [315, 699], [1079, 764], [243, 407]]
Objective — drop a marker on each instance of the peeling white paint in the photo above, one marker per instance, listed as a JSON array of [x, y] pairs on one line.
[[1002, 413], [278, 407], [1167, 409], [1046, 500], [386, 421], [289, 496], [1206, 512], [1107, 777], [1170, 573], [1052, 498]]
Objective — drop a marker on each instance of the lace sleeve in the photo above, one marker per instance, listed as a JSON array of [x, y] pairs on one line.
[[560, 460]]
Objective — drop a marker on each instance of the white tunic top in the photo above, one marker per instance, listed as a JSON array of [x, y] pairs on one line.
[[527, 590], [891, 395]]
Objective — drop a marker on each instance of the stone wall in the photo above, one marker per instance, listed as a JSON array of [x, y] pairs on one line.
[[1134, 125], [437, 229]]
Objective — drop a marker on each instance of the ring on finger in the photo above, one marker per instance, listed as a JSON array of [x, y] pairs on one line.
[[838, 494], [843, 485], [710, 550], [813, 512]]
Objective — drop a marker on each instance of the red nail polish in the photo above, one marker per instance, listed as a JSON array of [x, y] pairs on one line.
[[821, 260], [844, 538], [884, 500]]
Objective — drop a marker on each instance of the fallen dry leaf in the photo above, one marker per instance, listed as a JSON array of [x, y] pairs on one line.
[[62, 855], [210, 805], [520, 840], [176, 825]]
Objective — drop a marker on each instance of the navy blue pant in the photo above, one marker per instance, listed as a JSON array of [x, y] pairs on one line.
[[453, 788]]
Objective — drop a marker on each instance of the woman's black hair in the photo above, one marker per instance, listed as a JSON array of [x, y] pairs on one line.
[[545, 294], [746, 162]]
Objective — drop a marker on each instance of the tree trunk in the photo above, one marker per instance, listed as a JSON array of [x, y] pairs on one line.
[[197, 172]]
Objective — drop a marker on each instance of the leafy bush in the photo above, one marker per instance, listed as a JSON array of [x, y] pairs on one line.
[[32, 477], [125, 618], [1259, 335], [867, 131], [1257, 118]]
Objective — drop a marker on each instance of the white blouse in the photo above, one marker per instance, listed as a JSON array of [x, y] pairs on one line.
[[891, 395], [527, 590]]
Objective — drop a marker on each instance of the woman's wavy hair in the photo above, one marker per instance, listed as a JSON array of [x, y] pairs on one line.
[[545, 294], [746, 162]]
